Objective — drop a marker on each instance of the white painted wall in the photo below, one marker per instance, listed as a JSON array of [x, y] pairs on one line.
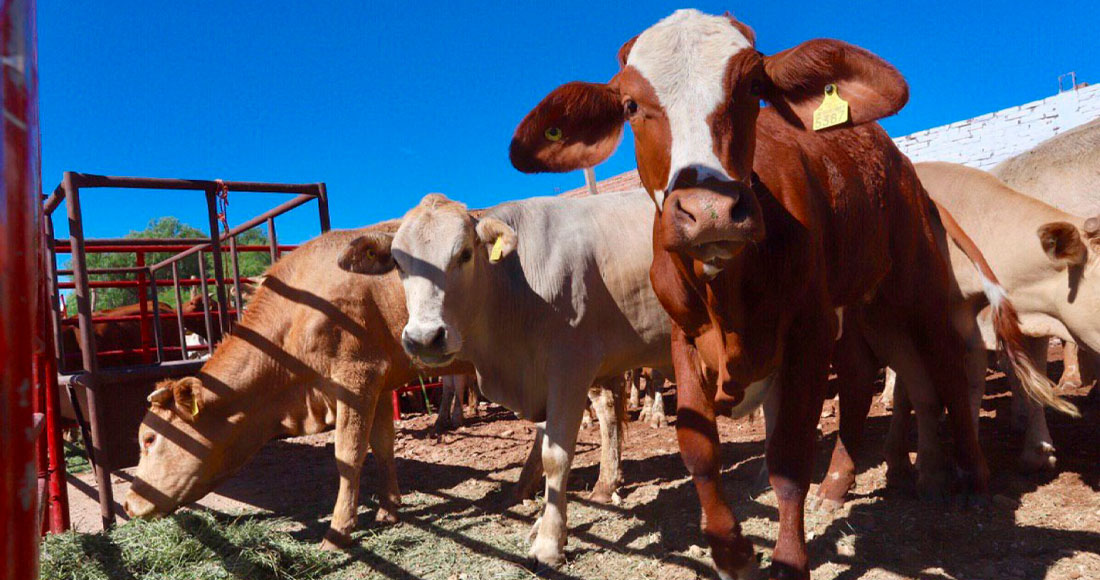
[[988, 139]]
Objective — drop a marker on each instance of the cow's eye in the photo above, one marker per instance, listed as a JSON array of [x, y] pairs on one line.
[[630, 107], [553, 134], [148, 441], [756, 88], [465, 256]]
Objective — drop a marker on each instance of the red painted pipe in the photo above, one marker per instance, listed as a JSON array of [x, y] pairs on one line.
[[19, 213]]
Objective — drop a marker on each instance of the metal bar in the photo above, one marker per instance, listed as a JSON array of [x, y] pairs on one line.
[[143, 309], [236, 275], [206, 307], [57, 492], [52, 285], [54, 200], [158, 332], [84, 313], [120, 248], [119, 270], [272, 240], [280, 209], [133, 283], [322, 207], [179, 308], [85, 180], [127, 317], [216, 256]]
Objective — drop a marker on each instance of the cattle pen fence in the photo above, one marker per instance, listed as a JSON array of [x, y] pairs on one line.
[[106, 387]]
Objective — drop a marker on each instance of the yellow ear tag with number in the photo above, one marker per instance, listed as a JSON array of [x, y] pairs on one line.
[[498, 249], [833, 110]]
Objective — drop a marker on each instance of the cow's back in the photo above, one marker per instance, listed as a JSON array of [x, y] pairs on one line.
[[1063, 171], [577, 294]]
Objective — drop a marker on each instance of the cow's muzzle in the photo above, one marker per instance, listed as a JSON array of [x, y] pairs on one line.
[[428, 344], [711, 220]]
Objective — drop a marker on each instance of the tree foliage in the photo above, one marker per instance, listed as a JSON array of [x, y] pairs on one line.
[[250, 263]]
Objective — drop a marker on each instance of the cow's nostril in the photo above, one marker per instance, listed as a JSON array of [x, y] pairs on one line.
[[439, 340], [680, 210]]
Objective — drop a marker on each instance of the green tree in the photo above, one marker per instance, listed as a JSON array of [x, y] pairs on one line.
[[250, 263]]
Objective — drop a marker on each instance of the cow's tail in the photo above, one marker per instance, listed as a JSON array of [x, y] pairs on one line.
[[1006, 323]]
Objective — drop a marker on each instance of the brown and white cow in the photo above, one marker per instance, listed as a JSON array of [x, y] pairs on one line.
[[544, 296], [765, 231], [317, 347]]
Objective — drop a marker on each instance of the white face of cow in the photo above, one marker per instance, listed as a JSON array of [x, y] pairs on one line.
[[437, 250], [684, 59]]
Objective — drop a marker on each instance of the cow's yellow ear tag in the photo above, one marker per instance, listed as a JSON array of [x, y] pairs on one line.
[[194, 408], [833, 110], [498, 249]]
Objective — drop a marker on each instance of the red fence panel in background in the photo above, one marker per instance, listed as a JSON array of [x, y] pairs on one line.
[[19, 208]]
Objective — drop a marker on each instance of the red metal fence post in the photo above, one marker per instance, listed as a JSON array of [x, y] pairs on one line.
[[19, 209]]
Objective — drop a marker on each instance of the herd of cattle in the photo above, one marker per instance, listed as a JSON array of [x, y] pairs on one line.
[[759, 256]]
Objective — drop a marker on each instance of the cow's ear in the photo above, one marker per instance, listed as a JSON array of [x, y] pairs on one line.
[[497, 236], [187, 393], [798, 77], [162, 395], [368, 254], [578, 125], [1062, 244]]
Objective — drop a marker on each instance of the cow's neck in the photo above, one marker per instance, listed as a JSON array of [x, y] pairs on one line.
[[247, 378]]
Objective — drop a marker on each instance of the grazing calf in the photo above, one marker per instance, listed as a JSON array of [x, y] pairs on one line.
[[766, 232], [317, 347], [543, 296]]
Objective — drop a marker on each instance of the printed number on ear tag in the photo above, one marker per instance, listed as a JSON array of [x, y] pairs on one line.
[[833, 110], [498, 249]]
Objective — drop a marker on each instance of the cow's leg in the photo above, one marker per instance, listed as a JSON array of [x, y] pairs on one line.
[[473, 394], [655, 400], [942, 354], [444, 417], [1038, 451], [856, 368], [635, 378], [790, 452], [462, 384], [697, 432], [563, 416], [889, 382], [1071, 361], [770, 411], [607, 400], [381, 443], [531, 475], [353, 425], [899, 469]]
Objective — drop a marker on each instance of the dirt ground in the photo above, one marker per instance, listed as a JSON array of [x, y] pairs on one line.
[[456, 526]]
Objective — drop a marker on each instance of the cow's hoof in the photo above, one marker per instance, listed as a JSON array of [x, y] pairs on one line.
[[659, 423], [1038, 458], [823, 505], [547, 552], [386, 516], [932, 487], [750, 571], [602, 493], [335, 541], [901, 479]]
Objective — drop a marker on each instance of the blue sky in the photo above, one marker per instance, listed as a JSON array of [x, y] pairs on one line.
[[387, 101]]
